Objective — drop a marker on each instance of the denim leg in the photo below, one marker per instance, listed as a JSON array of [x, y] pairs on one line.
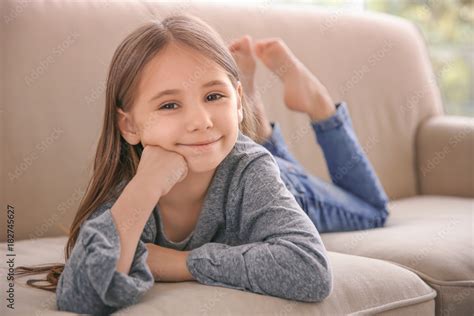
[[333, 209], [355, 200], [276, 145], [348, 166]]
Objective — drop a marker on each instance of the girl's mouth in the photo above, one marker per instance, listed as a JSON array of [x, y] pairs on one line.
[[203, 145]]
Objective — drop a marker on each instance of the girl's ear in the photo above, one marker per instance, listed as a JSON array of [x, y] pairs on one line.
[[240, 114], [127, 127]]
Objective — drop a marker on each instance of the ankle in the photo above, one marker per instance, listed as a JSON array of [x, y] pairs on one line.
[[322, 108]]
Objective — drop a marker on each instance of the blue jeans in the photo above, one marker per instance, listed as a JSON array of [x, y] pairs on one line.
[[356, 199]]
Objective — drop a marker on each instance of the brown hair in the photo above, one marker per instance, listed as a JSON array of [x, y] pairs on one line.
[[116, 161]]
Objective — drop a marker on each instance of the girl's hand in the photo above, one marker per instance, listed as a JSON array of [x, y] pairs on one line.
[[160, 169], [168, 265]]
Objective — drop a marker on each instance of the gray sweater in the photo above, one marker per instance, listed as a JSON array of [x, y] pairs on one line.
[[251, 235]]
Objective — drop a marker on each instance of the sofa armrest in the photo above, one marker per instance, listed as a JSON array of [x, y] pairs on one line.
[[444, 162]]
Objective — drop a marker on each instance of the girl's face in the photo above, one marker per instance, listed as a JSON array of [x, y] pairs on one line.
[[202, 106]]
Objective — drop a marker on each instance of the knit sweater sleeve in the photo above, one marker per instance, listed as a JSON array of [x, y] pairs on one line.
[[279, 251], [89, 283]]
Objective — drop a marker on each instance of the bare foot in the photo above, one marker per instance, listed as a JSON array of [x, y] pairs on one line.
[[243, 52], [303, 92]]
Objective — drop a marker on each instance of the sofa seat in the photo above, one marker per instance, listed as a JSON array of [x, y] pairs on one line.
[[429, 235], [360, 286]]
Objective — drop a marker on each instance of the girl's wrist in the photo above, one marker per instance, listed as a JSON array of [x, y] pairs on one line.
[[168, 265], [144, 190], [187, 276]]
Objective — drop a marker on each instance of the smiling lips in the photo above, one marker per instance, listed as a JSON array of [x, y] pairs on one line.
[[203, 143]]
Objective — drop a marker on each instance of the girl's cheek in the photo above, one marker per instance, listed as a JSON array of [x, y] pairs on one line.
[[160, 134], [150, 135], [151, 120]]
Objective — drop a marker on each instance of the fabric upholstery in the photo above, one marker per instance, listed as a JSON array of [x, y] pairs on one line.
[[429, 235], [358, 288]]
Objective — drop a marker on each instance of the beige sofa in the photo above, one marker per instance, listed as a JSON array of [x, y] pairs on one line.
[[54, 58]]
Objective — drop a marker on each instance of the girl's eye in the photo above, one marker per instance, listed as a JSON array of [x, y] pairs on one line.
[[221, 96], [165, 107]]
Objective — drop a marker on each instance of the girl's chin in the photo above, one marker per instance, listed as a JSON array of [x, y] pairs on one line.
[[202, 165]]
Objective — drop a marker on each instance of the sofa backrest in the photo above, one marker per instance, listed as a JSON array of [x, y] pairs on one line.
[[55, 57]]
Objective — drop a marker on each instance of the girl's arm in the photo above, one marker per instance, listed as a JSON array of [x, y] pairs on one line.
[[107, 271], [276, 248], [130, 213], [168, 265]]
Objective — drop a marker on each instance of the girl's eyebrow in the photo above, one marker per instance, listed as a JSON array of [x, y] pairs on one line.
[[178, 91]]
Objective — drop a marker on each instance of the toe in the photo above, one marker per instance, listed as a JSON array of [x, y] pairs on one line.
[[247, 44], [262, 46], [258, 48], [234, 46]]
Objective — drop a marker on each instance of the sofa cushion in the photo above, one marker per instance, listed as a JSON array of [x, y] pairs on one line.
[[430, 235], [360, 285]]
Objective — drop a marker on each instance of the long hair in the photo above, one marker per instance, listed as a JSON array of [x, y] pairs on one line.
[[116, 161]]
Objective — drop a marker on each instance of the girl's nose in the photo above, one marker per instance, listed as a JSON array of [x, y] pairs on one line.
[[199, 118]]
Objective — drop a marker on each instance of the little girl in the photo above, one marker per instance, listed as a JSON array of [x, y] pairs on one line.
[[182, 190]]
